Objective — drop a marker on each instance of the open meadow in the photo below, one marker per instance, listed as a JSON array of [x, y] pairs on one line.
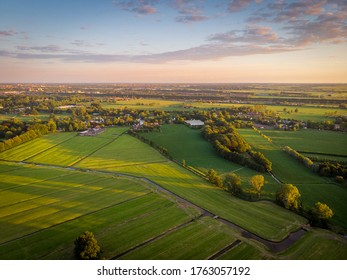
[[313, 187], [45, 204], [184, 143]]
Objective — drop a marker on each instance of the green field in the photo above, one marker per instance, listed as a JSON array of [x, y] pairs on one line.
[[36, 146], [245, 251], [318, 245], [205, 233], [44, 208], [184, 183], [312, 187], [40, 217], [184, 143], [311, 140]]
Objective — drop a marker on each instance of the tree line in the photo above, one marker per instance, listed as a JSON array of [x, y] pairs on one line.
[[231, 146]]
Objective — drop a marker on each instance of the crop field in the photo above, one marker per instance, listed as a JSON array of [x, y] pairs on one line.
[[312, 187]]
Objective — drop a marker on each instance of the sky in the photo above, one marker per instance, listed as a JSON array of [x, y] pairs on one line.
[[173, 41]]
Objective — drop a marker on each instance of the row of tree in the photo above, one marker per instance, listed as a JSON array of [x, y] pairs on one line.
[[330, 169], [34, 131], [231, 146], [233, 184], [305, 160]]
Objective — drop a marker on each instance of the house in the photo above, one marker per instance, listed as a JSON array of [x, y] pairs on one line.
[[194, 123], [92, 131]]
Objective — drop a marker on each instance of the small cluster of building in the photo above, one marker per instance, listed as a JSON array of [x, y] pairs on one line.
[[92, 131]]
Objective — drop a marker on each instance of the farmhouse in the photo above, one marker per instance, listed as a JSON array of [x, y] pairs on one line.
[[194, 123], [92, 131]]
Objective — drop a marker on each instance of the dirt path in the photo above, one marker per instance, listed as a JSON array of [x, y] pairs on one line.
[[272, 245]]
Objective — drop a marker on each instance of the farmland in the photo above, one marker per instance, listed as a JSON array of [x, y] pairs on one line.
[[312, 186], [149, 198], [184, 143]]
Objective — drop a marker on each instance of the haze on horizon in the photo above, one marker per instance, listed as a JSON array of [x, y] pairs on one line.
[[182, 41]]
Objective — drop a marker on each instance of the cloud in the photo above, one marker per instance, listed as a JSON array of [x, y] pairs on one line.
[[306, 22], [191, 18], [237, 5], [189, 11], [8, 33], [327, 28], [251, 35], [140, 7], [48, 48]]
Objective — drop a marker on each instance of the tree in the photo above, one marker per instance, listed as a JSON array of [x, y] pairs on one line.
[[289, 197], [86, 247], [232, 182], [257, 182], [213, 177], [322, 211]]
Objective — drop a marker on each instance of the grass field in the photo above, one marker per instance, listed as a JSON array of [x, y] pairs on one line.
[[278, 222], [318, 245], [64, 149], [205, 233], [40, 219], [245, 251], [312, 187], [43, 209], [184, 143], [311, 140], [126, 150], [36, 146], [304, 112]]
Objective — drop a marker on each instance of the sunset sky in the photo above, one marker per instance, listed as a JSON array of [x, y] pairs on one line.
[[173, 41]]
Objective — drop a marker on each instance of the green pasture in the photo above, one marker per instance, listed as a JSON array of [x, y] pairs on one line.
[[311, 140], [184, 143], [263, 218], [43, 209], [125, 150], [245, 251], [32, 207], [36, 146], [285, 167], [313, 187], [117, 228], [27, 118], [304, 113], [42, 218], [145, 104], [317, 244], [197, 240]]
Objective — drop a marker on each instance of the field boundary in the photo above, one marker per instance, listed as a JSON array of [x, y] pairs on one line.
[[161, 235], [225, 249], [322, 154]]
